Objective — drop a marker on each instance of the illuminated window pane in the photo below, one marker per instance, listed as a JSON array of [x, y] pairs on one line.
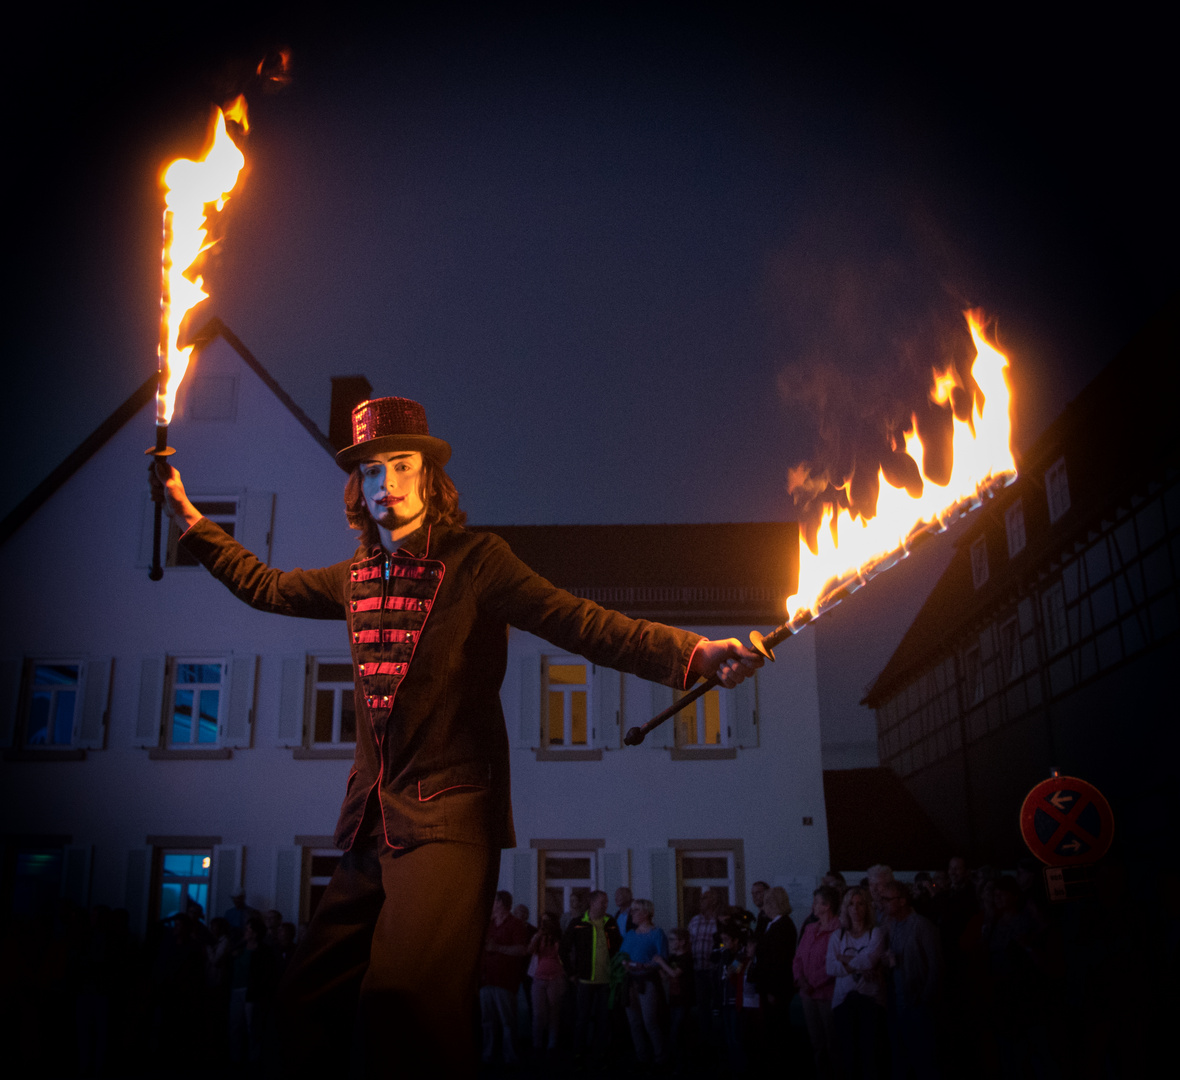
[[712, 710], [210, 703], [686, 727], [578, 715], [38, 731], [170, 895], [568, 674], [182, 716], [63, 717], [556, 718]]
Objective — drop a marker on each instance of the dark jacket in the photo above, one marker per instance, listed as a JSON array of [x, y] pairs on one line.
[[577, 945], [428, 629], [773, 959]]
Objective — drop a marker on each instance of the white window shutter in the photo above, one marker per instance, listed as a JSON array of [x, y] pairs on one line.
[[10, 678], [524, 886], [663, 887], [137, 885], [75, 874], [291, 697], [227, 876], [239, 717], [255, 516], [90, 729], [608, 703], [665, 734], [151, 701], [614, 871], [530, 700], [743, 712], [288, 867]]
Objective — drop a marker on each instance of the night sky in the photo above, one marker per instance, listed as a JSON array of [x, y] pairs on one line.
[[635, 265]]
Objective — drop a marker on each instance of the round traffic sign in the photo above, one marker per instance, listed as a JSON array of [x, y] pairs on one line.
[[1066, 822]]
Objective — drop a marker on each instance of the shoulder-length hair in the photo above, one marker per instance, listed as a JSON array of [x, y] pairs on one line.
[[870, 915], [436, 488]]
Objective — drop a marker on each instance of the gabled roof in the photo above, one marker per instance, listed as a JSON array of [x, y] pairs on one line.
[[1117, 435], [710, 573], [89, 446]]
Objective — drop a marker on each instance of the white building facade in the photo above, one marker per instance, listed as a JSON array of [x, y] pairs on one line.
[[164, 742]]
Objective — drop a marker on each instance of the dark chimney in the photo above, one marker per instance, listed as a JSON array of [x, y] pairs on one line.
[[348, 391]]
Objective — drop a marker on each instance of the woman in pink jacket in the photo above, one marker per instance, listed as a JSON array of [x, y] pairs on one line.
[[815, 984]]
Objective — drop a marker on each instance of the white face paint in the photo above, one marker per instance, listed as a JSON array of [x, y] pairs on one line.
[[392, 486]]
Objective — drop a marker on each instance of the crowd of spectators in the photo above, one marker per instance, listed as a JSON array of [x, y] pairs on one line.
[[963, 973]]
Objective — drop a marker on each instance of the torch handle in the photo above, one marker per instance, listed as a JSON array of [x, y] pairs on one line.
[[160, 452], [637, 734]]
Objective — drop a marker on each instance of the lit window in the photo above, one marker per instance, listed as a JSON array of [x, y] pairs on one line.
[[1014, 525], [701, 724], [979, 562], [221, 511], [1057, 489], [184, 879], [197, 702], [333, 719], [1053, 610], [1010, 649], [567, 702], [972, 676], [52, 704]]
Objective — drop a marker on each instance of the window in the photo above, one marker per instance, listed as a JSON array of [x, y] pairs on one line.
[[1057, 489], [562, 873], [1014, 525], [1010, 649], [972, 677], [183, 879], [223, 511], [52, 704], [979, 562], [197, 703], [319, 863], [1053, 610], [716, 865], [333, 708], [701, 724], [567, 702], [33, 879]]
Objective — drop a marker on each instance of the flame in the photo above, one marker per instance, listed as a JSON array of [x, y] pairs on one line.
[[190, 187], [849, 550]]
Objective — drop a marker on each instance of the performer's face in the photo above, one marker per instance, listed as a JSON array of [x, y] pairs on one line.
[[392, 486]]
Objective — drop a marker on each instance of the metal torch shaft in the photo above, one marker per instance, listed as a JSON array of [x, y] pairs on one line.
[[763, 644]]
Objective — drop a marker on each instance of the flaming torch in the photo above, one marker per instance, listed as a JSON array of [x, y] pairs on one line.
[[190, 187], [850, 549]]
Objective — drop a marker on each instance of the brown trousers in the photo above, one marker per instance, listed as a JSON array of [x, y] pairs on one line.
[[385, 980]]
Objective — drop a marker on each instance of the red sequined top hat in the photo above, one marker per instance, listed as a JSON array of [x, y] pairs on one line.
[[391, 423]]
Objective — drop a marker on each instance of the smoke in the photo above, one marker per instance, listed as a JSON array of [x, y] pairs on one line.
[[863, 324]]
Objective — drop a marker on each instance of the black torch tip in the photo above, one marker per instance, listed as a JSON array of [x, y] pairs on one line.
[[633, 737]]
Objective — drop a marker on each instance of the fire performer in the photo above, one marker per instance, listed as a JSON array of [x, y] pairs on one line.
[[392, 952]]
